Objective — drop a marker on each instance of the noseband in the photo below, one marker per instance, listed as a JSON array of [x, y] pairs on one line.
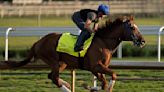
[[129, 30]]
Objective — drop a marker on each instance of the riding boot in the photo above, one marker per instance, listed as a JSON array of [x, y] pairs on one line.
[[81, 39]]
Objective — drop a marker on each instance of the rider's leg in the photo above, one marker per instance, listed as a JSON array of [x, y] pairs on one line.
[[85, 34], [81, 39]]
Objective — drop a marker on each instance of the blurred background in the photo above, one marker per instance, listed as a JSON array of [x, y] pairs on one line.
[[151, 12], [33, 19]]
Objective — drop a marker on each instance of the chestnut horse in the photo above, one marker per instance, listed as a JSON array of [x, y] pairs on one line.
[[97, 58]]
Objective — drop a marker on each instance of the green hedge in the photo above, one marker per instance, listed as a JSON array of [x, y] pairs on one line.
[[15, 53], [127, 51], [147, 51]]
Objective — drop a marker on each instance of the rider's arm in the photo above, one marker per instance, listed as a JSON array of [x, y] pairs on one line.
[[87, 23], [95, 26], [90, 17]]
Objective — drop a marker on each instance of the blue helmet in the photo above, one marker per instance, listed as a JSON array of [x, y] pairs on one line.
[[104, 9]]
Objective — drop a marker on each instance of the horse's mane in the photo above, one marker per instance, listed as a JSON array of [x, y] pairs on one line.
[[109, 26]]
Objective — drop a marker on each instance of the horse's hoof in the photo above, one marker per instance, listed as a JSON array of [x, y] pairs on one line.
[[95, 89], [104, 87], [68, 86], [86, 86], [63, 88]]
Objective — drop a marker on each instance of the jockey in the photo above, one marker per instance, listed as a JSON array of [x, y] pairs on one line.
[[83, 20]]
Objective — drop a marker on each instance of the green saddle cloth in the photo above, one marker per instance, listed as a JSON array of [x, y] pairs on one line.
[[67, 42]]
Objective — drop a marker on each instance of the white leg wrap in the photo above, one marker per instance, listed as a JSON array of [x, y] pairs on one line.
[[111, 83], [64, 89], [95, 89], [64, 82]]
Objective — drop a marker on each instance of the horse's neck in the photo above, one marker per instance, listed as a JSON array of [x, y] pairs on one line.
[[113, 39], [111, 44]]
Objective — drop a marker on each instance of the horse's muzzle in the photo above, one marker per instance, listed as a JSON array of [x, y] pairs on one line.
[[140, 43]]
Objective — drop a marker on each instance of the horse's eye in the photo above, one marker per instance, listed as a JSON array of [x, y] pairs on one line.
[[132, 28], [128, 21]]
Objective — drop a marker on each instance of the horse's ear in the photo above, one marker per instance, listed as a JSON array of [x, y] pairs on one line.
[[131, 17]]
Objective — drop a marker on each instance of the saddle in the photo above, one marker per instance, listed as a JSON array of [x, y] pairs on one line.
[[67, 42]]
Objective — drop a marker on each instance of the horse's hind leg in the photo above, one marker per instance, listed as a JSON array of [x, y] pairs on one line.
[[54, 76], [101, 77], [62, 67]]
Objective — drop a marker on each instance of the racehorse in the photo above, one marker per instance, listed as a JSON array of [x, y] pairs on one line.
[[97, 58]]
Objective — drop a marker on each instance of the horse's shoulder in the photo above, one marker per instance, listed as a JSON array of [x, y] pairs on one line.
[[96, 45]]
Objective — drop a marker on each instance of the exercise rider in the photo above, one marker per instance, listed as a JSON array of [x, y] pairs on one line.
[[83, 20]]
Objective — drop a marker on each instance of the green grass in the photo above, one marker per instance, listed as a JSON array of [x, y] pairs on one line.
[[149, 21], [33, 21], [19, 42], [151, 39], [36, 81], [51, 21]]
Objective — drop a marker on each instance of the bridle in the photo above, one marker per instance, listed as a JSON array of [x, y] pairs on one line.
[[129, 28]]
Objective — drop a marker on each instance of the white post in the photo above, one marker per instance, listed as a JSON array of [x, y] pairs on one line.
[[119, 51], [73, 80], [6, 42], [95, 82], [2, 13], [159, 43]]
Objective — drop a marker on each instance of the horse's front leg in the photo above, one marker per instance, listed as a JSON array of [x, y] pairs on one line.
[[101, 77], [102, 69], [107, 55]]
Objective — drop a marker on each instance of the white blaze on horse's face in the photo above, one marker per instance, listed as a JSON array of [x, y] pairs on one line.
[[139, 40], [136, 30], [136, 27]]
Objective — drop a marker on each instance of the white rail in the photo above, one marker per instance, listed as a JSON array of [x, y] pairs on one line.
[[6, 42], [159, 43]]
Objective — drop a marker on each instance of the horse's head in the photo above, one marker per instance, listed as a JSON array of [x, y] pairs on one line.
[[131, 32], [122, 29]]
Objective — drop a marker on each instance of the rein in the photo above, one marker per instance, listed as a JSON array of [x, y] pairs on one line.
[[110, 38]]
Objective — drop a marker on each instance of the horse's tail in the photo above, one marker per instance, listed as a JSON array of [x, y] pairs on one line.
[[14, 64]]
